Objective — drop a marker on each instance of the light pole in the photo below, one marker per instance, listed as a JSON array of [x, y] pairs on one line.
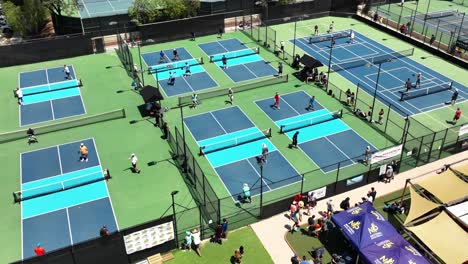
[[375, 93], [173, 193], [329, 61], [115, 23], [261, 188], [141, 65]]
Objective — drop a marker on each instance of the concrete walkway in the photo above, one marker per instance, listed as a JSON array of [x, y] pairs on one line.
[[272, 231]]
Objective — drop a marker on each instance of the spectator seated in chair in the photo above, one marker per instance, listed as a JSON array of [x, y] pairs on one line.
[[360, 114], [395, 207], [311, 228]]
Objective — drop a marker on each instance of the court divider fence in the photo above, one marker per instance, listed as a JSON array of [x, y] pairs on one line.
[[82, 121], [432, 30]]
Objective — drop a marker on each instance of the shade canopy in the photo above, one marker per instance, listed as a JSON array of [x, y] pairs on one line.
[[419, 206], [444, 237], [392, 250], [364, 225], [310, 61], [151, 94], [446, 186]]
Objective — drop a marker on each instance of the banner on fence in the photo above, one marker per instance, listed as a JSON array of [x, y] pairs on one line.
[[463, 130], [319, 193], [148, 238], [386, 154]]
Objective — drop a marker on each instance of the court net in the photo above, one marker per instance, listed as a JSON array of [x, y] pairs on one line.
[[425, 91], [372, 60], [52, 87], [440, 14], [311, 121], [233, 142], [328, 37], [60, 186], [172, 66], [235, 54], [187, 99]]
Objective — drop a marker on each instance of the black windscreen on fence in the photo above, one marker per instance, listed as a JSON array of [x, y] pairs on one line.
[[180, 29], [299, 9], [45, 49]]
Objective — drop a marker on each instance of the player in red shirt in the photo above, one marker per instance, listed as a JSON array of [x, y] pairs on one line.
[[277, 101], [457, 115], [39, 250]]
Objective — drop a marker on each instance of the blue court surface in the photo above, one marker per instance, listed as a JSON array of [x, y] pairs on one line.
[[49, 95], [325, 143], [101, 8], [238, 164], [243, 63], [450, 21], [162, 67], [69, 216], [392, 77]]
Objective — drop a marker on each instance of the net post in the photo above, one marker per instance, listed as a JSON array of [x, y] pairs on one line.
[[200, 153], [202, 61], [281, 129]]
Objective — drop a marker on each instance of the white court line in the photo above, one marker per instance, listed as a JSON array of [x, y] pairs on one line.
[[69, 226], [113, 9], [107, 189], [52, 107], [217, 85], [218, 123], [258, 174], [60, 160], [67, 207], [222, 46], [21, 206], [403, 60], [256, 76], [286, 102], [55, 145], [382, 94], [190, 86], [331, 142]]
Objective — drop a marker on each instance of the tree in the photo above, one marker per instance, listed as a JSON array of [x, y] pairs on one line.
[[148, 11], [192, 7], [34, 14], [286, 2], [14, 16], [174, 9], [60, 8], [27, 19]]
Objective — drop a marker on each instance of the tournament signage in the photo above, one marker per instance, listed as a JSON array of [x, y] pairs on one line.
[[148, 238], [386, 154], [463, 130]]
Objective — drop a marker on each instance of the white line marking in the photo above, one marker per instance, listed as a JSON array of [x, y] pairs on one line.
[[258, 174], [67, 207], [105, 183], [218, 123], [59, 159], [69, 226]]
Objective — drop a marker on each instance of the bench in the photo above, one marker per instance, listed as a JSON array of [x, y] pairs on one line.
[[155, 259], [159, 259]]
